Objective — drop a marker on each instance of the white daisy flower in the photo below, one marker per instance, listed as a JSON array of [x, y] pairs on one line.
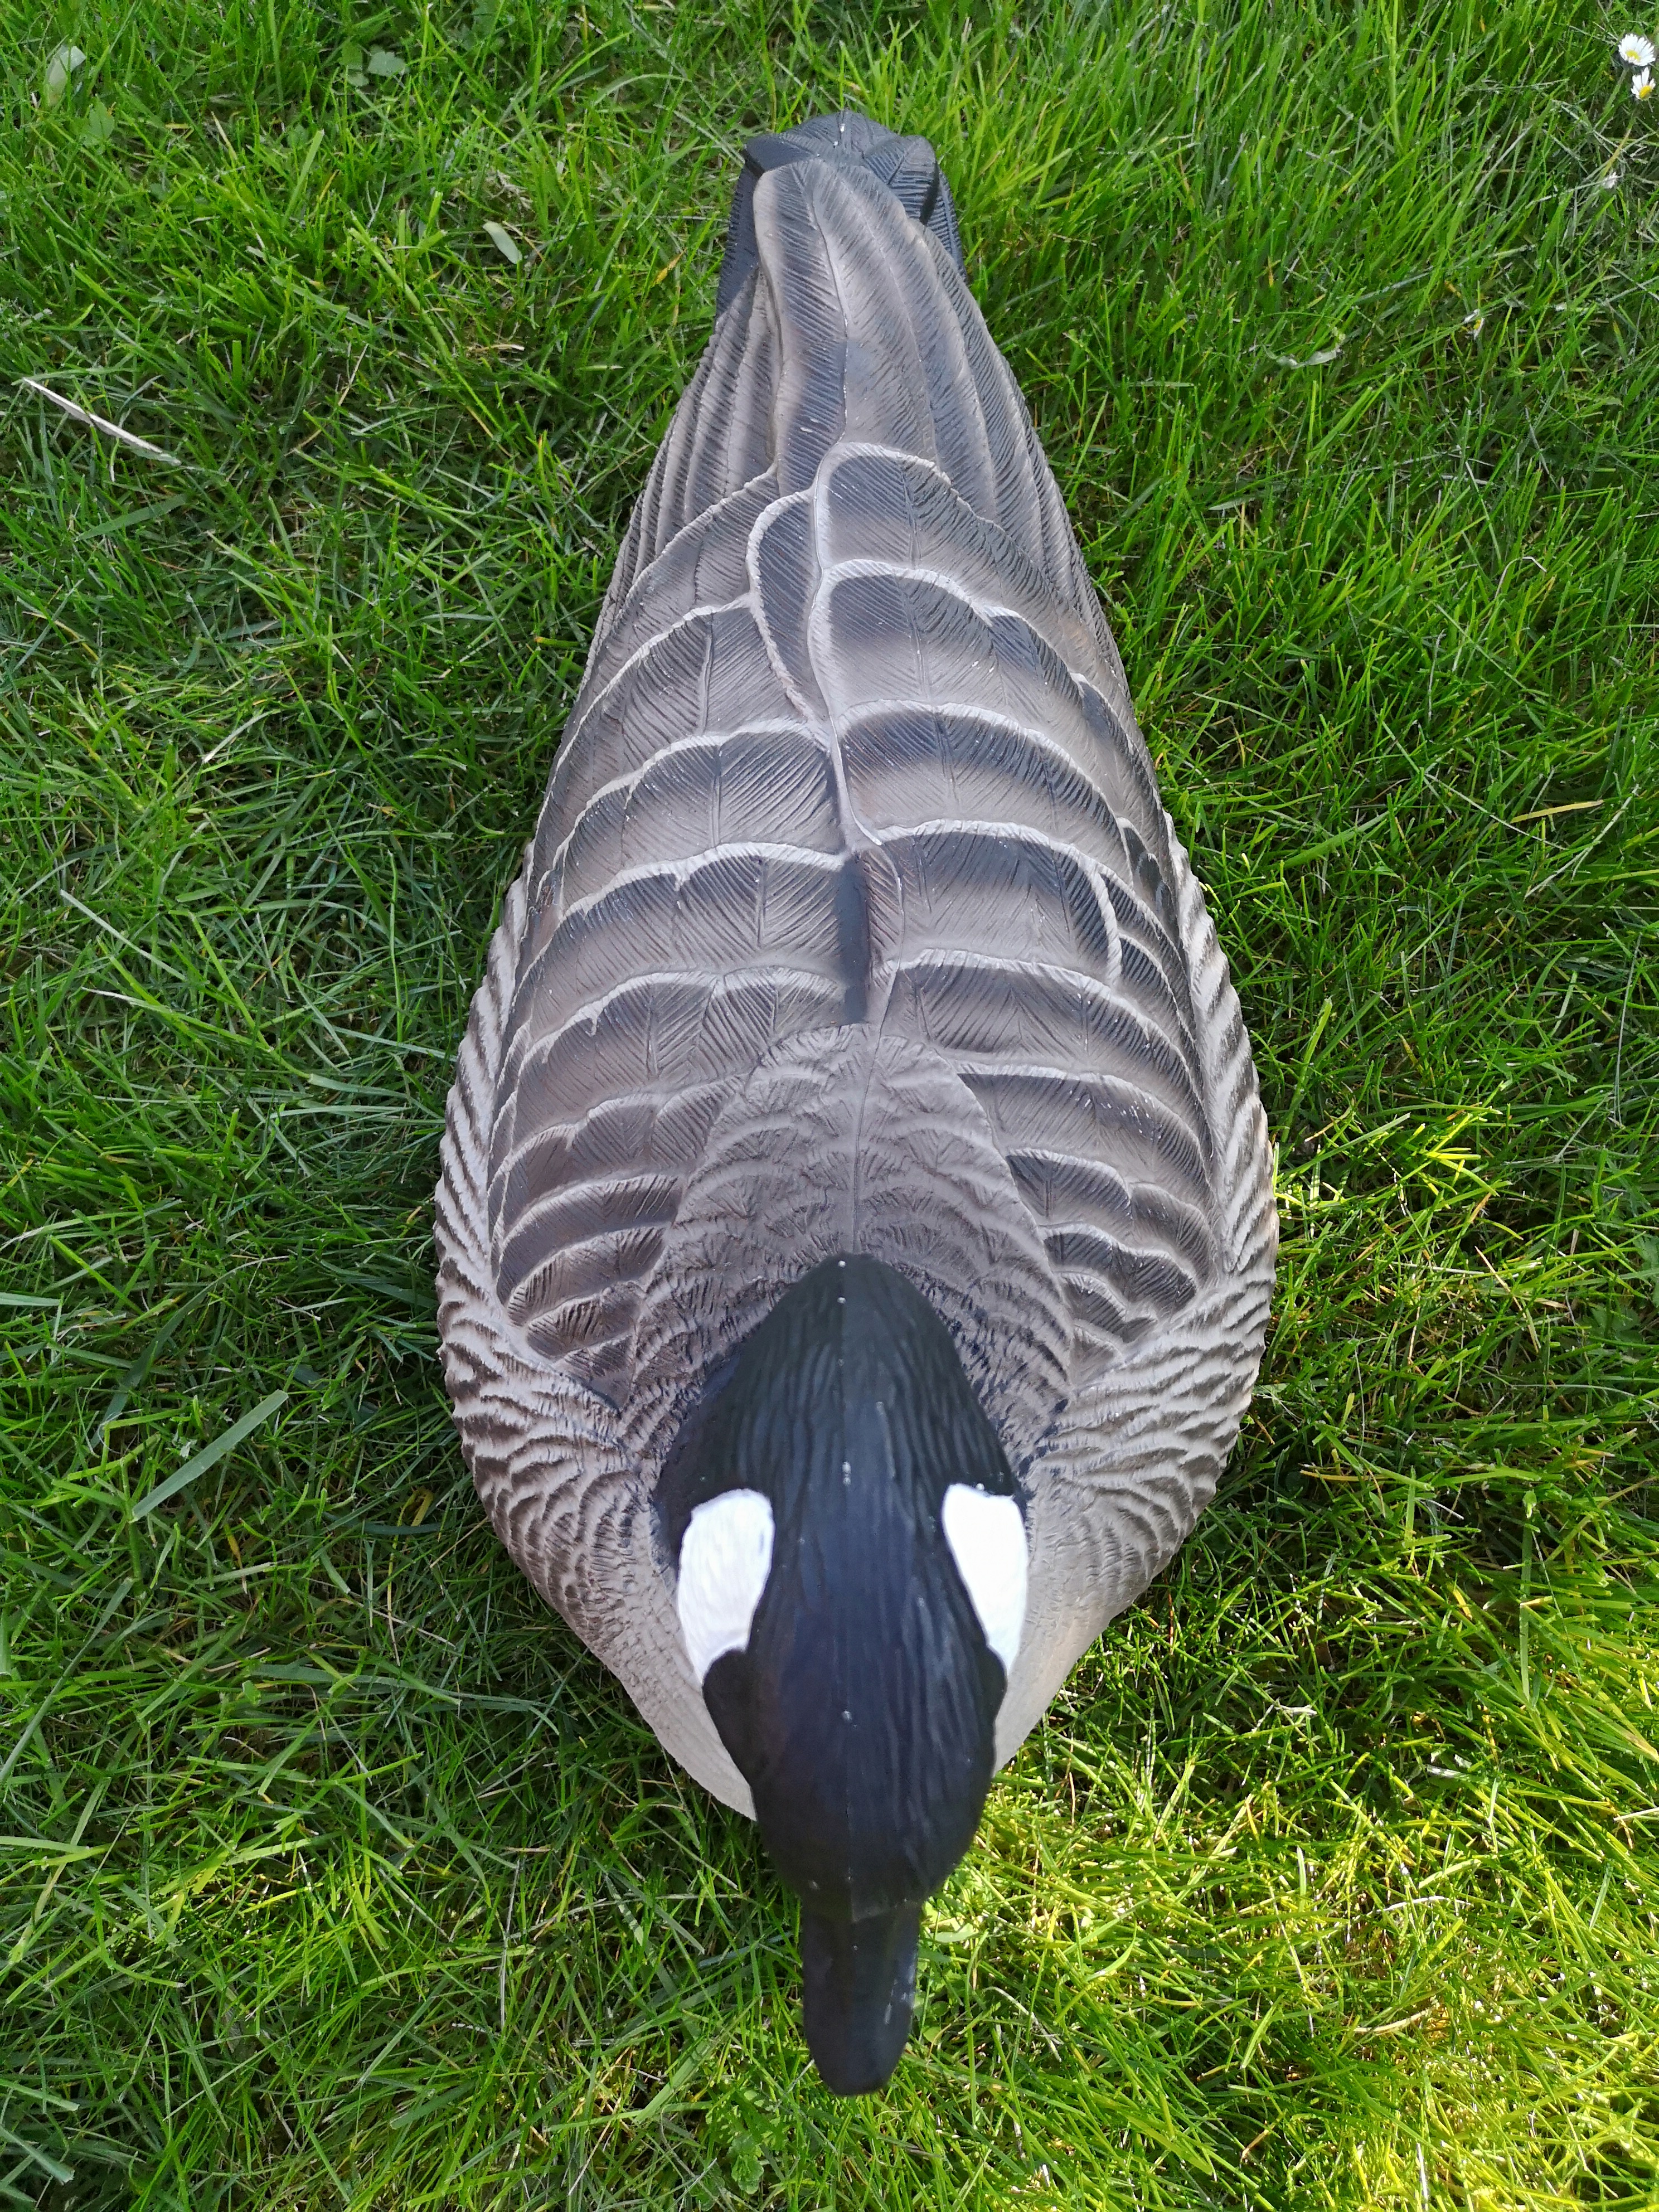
[[1641, 85], [1636, 50], [1610, 180]]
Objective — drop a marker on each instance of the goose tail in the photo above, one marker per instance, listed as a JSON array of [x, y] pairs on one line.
[[908, 166]]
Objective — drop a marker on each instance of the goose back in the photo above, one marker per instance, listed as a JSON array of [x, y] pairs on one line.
[[853, 920]]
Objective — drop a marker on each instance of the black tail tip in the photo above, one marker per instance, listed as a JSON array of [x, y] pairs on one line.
[[908, 166], [858, 1993]]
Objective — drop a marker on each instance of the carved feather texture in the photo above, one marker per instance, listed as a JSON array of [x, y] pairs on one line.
[[853, 920]]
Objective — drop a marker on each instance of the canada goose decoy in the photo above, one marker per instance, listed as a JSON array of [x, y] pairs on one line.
[[856, 1225]]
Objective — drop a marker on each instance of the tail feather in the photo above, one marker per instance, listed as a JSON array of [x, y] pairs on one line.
[[908, 166]]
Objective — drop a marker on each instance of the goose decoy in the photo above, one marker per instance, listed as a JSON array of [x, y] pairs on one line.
[[856, 1224]]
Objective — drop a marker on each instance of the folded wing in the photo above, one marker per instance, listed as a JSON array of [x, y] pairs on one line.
[[853, 745]]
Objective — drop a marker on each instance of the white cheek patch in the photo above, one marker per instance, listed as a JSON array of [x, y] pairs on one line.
[[986, 1536], [725, 1556]]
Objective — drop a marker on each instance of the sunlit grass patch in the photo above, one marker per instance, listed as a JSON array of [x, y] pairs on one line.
[[333, 1871]]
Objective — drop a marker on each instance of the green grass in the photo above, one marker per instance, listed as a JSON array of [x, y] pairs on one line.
[[334, 1872]]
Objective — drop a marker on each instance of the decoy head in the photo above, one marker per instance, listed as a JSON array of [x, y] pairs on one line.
[[850, 1562]]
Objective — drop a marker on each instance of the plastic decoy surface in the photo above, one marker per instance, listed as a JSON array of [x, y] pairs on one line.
[[856, 1230]]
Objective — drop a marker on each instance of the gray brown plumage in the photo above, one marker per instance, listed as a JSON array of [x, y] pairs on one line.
[[853, 923]]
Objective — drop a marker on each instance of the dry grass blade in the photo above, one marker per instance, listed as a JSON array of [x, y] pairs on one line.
[[77, 414]]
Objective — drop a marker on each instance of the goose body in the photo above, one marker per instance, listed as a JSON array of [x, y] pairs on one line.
[[856, 1226]]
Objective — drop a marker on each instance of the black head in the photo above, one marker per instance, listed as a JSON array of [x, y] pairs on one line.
[[851, 1564]]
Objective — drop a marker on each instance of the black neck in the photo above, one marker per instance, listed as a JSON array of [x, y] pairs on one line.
[[862, 1710]]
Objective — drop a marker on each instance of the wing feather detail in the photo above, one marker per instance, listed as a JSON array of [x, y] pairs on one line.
[[853, 744], [544, 1449]]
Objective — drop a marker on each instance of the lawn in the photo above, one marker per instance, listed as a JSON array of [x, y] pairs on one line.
[[335, 1872]]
